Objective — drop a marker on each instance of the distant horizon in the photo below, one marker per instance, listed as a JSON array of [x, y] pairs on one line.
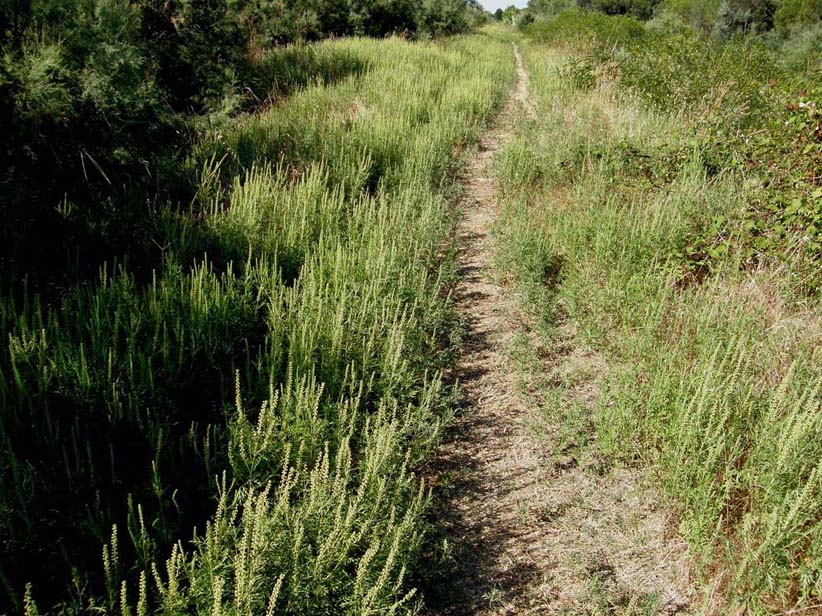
[[493, 5]]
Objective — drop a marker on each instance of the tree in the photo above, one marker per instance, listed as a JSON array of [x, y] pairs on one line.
[[440, 17], [699, 14], [548, 8], [641, 9], [744, 16], [475, 15], [510, 14], [334, 18]]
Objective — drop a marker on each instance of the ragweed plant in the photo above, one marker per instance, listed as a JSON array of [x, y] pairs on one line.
[[714, 376], [248, 418]]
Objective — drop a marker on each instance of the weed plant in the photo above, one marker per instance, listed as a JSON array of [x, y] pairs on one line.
[[237, 432], [714, 377], [760, 116]]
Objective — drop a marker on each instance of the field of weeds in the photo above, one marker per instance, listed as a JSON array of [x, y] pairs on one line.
[[664, 208], [236, 430], [245, 287]]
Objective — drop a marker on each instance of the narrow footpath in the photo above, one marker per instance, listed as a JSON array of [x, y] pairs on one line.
[[533, 532]]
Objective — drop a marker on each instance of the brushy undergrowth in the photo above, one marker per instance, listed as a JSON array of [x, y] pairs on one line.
[[671, 217], [236, 432], [760, 116], [100, 100]]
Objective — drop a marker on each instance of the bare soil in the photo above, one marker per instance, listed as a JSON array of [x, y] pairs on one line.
[[537, 524]]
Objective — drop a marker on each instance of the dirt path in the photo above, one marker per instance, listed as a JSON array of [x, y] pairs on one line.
[[533, 529]]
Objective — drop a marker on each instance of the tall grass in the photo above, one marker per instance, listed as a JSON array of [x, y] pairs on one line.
[[239, 433], [715, 378]]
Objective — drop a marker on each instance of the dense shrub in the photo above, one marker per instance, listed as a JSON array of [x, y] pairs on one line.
[[758, 113], [642, 9], [101, 98], [86, 125], [700, 14], [803, 50], [443, 17], [796, 14], [723, 18], [578, 28], [745, 16]]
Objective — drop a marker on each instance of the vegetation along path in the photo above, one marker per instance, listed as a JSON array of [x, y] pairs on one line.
[[534, 531]]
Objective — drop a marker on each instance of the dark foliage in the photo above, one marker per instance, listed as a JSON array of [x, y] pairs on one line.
[[96, 103], [745, 16], [642, 9]]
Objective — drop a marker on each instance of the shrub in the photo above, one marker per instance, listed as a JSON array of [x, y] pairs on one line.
[[735, 16], [441, 17], [699, 14], [802, 51], [796, 14], [641, 9], [382, 17], [578, 28]]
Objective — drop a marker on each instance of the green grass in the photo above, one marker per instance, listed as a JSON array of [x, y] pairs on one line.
[[238, 430], [714, 377], [238, 433]]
